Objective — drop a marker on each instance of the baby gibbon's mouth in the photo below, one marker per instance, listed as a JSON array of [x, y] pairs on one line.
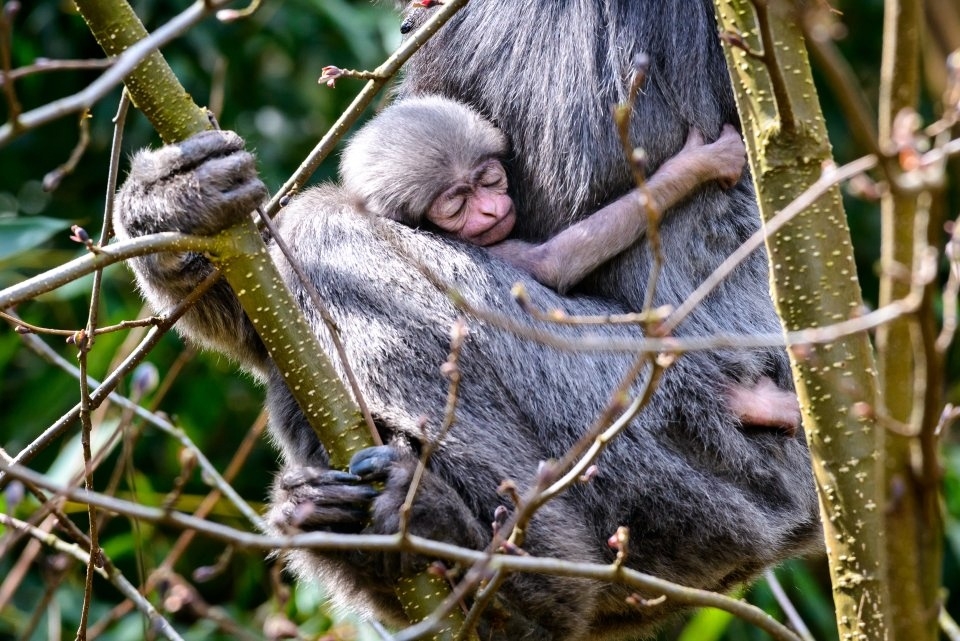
[[498, 231]]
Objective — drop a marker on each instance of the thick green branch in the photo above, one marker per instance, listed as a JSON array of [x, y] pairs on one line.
[[239, 252], [815, 284], [152, 86], [246, 265]]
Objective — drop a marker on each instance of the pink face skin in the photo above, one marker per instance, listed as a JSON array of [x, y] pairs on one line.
[[477, 210]]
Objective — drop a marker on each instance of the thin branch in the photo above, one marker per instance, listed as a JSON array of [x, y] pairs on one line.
[[109, 572], [209, 470], [43, 65], [948, 625], [600, 344], [951, 290], [623, 116], [123, 65], [328, 541], [86, 343], [23, 327], [53, 178], [14, 108], [89, 263], [86, 427], [557, 316], [363, 100], [451, 370], [828, 179], [113, 169], [787, 606], [232, 15], [778, 84]]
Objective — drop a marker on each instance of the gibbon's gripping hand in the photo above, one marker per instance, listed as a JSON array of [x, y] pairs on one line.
[[199, 186], [312, 498], [368, 498]]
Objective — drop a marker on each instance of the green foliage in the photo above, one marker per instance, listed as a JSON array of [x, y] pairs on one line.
[[18, 235]]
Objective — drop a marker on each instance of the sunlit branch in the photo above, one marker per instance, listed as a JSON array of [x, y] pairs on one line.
[[79, 267], [112, 77], [327, 541]]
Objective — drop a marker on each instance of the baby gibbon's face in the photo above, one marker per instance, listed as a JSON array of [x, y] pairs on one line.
[[477, 208]]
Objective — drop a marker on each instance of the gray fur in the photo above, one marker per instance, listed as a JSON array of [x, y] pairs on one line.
[[429, 141], [708, 504]]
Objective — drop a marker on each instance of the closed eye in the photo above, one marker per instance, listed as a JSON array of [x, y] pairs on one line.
[[493, 177], [452, 207]]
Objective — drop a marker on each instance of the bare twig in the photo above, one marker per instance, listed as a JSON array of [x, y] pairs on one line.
[[86, 264], [451, 370], [350, 116], [787, 606], [606, 343], [102, 392], [951, 289], [785, 109], [948, 625], [52, 180], [6, 40], [559, 317], [623, 116], [86, 343], [122, 66], [108, 571], [827, 180], [42, 65], [328, 541], [86, 427]]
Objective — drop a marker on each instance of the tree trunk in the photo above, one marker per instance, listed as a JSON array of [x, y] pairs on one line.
[[910, 369], [814, 284]]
